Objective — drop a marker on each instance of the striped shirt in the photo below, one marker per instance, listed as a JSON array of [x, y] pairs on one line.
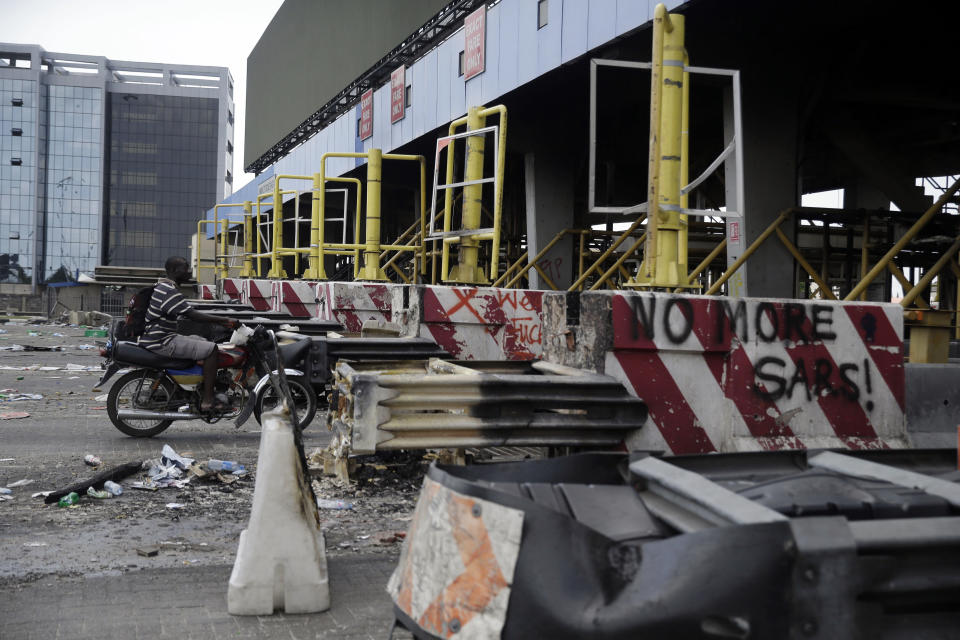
[[166, 306]]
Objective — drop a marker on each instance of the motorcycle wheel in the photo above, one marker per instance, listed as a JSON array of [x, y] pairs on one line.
[[124, 393], [303, 397]]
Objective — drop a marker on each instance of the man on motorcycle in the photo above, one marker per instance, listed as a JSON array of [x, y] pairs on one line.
[[160, 334]]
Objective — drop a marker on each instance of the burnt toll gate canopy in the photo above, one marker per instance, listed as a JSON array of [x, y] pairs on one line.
[[827, 103]]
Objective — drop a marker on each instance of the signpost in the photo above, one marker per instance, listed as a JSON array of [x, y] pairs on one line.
[[474, 36], [397, 84], [366, 114]]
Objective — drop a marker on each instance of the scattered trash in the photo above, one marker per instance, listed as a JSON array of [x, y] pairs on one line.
[[229, 466], [19, 377], [174, 505], [92, 460], [392, 537], [68, 500], [112, 487], [57, 334], [95, 333], [20, 483], [13, 415], [39, 494], [323, 503], [7, 459], [172, 456], [116, 473], [11, 395], [5, 497], [148, 552], [85, 347], [144, 486], [33, 333], [102, 398], [3, 330], [5, 491], [99, 495], [34, 544]]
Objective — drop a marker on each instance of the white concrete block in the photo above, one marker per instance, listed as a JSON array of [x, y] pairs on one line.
[[281, 562]]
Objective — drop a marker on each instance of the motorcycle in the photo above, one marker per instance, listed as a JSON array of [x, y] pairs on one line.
[[158, 390]]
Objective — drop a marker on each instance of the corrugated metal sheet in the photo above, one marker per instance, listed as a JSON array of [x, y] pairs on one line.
[[517, 52]]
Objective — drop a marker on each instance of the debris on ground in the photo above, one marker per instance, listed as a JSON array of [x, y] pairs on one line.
[[13, 415], [92, 460], [116, 473], [12, 395]]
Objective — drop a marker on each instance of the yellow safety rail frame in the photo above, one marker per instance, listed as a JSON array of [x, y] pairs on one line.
[[470, 235], [371, 248]]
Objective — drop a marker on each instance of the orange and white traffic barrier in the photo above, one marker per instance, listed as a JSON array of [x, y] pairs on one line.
[[457, 564]]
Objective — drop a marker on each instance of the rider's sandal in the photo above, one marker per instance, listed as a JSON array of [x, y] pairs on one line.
[[216, 407]]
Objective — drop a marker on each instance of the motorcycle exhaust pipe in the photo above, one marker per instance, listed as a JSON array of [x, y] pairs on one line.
[[135, 414]]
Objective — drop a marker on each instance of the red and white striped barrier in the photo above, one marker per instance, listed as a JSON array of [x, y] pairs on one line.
[[207, 291], [297, 297], [233, 289], [353, 303], [722, 374], [473, 323], [260, 295]]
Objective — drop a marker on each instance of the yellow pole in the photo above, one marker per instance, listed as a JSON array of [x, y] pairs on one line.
[[704, 264], [682, 255], [371, 253], [247, 270], [498, 194], [906, 284], [467, 269], [865, 251], [224, 269], [825, 290], [616, 265], [749, 252], [900, 244], [660, 267], [599, 261], [276, 262], [314, 263], [537, 258], [648, 266], [931, 274]]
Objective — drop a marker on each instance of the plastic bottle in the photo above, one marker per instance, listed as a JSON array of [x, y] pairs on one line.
[[69, 499], [92, 460], [99, 495], [323, 503], [229, 466], [112, 487]]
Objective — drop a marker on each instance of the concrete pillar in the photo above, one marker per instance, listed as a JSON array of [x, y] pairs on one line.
[[769, 146], [549, 201], [860, 194]]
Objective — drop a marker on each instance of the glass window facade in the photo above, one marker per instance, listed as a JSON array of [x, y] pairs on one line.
[[17, 181], [162, 174], [73, 187]]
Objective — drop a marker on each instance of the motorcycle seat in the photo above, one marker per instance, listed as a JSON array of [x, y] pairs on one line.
[[294, 352], [132, 353]]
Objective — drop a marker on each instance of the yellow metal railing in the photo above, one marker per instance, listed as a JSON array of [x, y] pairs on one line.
[[467, 270], [372, 249]]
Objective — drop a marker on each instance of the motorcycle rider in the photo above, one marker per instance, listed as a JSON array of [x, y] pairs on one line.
[[160, 335]]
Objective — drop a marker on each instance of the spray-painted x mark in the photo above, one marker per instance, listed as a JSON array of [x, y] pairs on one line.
[[465, 302]]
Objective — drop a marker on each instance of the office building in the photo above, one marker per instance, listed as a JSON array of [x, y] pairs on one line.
[[105, 162]]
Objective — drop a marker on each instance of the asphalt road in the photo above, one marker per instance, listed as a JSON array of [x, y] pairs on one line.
[[76, 572]]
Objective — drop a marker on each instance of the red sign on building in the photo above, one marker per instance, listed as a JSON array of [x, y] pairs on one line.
[[398, 82], [366, 114], [475, 37]]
